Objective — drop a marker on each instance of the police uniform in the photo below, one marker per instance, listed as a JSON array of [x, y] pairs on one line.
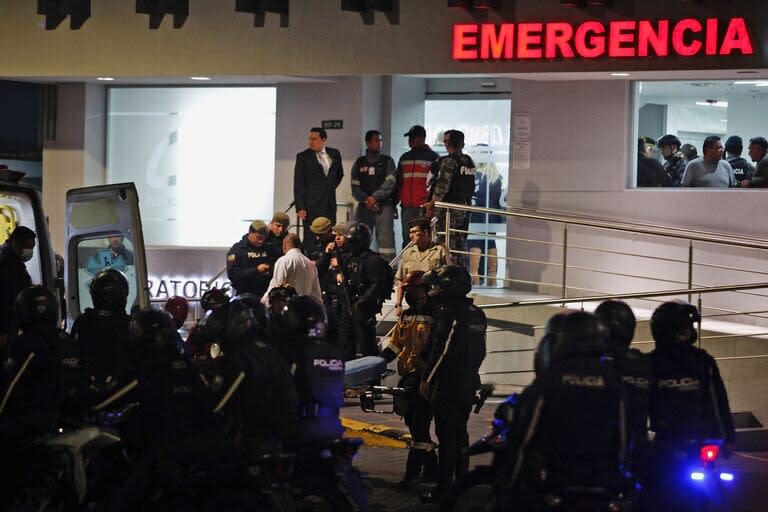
[[675, 167], [414, 259], [458, 350], [454, 183], [243, 261], [742, 170], [369, 284], [374, 175]]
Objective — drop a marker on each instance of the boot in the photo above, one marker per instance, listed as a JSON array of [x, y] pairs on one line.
[[413, 467], [430, 469], [493, 262], [474, 264]]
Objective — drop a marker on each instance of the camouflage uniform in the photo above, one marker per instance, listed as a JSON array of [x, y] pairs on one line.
[[675, 167], [454, 183]]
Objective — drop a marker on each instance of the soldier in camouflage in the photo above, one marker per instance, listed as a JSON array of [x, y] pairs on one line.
[[454, 183]]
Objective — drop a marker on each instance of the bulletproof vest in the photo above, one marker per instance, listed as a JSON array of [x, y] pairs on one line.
[[463, 182], [581, 420], [362, 273], [635, 370], [466, 345], [320, 386], [411, 336], [103, 341], [741, 168], [372, 175]]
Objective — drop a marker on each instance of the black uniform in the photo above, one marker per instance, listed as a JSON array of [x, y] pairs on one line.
[[688, 400], [13, 279], [336, 301], [636, 376], [275, 244], [369, 280], [458, 349], [243, 260], [675, 167], [742, 170], [650, 173]]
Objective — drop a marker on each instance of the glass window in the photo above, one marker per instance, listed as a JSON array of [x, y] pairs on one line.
[[16, 210], [202, 158], [97, 254]]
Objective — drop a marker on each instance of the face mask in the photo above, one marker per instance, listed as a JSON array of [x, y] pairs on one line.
[[26, 254]]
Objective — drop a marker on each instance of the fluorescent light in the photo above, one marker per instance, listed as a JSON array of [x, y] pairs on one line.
[[105, 78], [619, 74], [723, 120], [199, 78], [749, 82], [721, 104]]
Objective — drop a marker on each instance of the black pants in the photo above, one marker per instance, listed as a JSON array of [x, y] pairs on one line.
[[451, 412], [418, 416]]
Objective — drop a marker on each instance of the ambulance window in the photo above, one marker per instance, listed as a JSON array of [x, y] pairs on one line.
[[16, 210], [97, 254]]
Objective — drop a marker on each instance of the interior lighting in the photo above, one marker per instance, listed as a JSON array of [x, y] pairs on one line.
[[105, 78], [202, 78], [713, 103], [749, 82], [619, 74]]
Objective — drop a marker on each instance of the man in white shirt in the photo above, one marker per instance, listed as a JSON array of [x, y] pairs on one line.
[[295, 269]]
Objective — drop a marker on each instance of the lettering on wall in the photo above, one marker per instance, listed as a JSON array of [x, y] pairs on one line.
[[688, 37], [183, 286]]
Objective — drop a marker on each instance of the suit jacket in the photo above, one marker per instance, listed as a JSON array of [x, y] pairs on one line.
[[312, 189]]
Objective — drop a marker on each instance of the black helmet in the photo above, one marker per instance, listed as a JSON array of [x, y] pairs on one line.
[[36, 305], [358, 238], [213, 299], [668, 140], [672, 323], [304, 318], [620, 320], [575, 332], [279, 295], [109, 290], [229, 326], [259, 311], [452, 281], [151, 329]]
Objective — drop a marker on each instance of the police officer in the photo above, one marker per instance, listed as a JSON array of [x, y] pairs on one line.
[[14, 253], [101, 333], [410, 345], [368, 282], [322, 230], [635, 369], [318, 369], [674, 161], [454, 183], [742, 170], [373, 185], [451, 377], [277, 229], [688, 401], [335, 295], [249, 261], [571, 417]]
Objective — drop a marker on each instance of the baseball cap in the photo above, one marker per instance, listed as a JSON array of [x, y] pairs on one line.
[[259, 226], [321, 226], [281, 218], [416, 131]]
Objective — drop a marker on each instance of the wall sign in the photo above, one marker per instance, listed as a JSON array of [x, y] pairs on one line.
[[334, 124], [688, 37]]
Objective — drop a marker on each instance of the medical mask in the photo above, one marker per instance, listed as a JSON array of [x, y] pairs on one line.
[[26, 254]]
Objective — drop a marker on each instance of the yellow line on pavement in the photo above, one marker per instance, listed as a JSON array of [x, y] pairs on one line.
[[375, 435]]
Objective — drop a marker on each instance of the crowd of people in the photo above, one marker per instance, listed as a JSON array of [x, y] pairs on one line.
[[718, 166]]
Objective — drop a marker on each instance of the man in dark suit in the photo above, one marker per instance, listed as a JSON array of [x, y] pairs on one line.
[[317, 173]]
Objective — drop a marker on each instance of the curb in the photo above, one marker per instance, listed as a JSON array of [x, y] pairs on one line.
[[375, 435]]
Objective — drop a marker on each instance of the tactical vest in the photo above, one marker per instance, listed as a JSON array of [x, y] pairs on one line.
[[372, 175], [463, 182], [411, 336]]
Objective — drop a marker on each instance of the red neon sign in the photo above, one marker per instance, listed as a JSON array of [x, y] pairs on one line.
[[688, 37]]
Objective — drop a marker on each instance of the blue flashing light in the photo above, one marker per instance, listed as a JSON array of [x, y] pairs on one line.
[[697, 475], [726, 477]]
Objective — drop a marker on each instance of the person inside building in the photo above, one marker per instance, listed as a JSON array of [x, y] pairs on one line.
[[277, 229], [296, 270], [674, 162], [14, 253], [689, 152], [422, 255], [483, 259], [317, 173], [413, 170], [368, 281], [409, 344], [742, 170], [650, 172], [454, 183], [118, 249], [758, 152], [450, 378], [373, 185], [249, 261], [710, 170]]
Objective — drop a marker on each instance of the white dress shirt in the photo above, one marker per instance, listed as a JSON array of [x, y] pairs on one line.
[[325, 160], [297, 270]]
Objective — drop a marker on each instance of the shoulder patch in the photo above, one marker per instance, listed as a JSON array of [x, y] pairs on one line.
[[231, 258]]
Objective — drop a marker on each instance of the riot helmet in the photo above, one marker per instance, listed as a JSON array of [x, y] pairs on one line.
[[258, 310], [178, 307], [577, 332], [279, 295], [109, 290], [673, 323], [448, 282], [151, 330], [358, 238], [36, 306], [304, 319], [620, 320], [226, 328], [213, 299]]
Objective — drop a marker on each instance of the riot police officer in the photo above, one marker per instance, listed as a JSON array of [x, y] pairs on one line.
[[318, 369], [368, 282], [451, 377], [688, 400], [454, 182], [410, 345], [102, 334], [674, 162]]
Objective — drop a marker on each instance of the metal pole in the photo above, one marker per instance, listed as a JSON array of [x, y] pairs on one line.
[[565, 261], [448, 231], [698, 337], [690, 268]]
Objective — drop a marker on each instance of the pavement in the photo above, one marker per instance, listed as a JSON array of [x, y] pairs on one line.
[[382, 462]]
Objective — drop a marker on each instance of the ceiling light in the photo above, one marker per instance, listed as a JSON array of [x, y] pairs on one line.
[[105, 78], [713, 103], [749, 82], [619, 74], [199, 78], [723, 120]]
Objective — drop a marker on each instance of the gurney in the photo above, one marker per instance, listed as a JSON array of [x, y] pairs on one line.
[[363, 377]]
